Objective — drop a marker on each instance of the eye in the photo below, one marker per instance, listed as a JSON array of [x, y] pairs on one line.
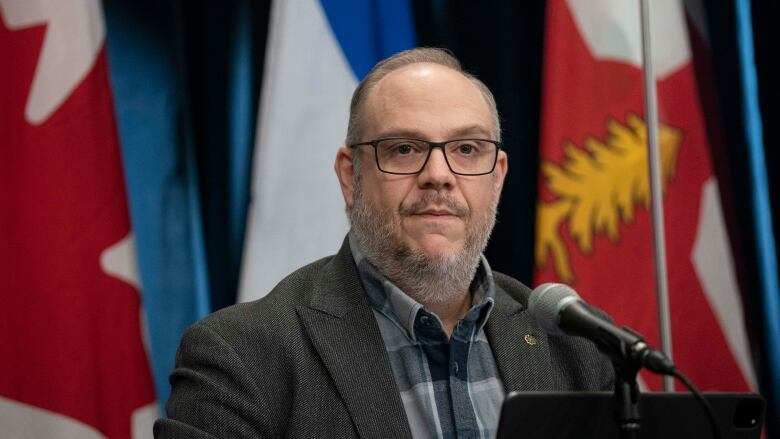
[[405, 148], [402, 148], [466, 149]]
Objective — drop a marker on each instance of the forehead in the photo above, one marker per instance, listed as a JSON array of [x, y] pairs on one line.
[[426, 100]]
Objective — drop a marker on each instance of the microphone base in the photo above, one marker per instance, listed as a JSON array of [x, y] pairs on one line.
[[627, 402]]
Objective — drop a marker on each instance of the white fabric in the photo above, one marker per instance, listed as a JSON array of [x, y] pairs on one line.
[[23, 421], [296, 213], [600, 21], [74, 35]]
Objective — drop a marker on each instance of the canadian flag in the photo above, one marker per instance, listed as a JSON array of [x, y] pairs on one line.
[[72, 360], [593, 220]]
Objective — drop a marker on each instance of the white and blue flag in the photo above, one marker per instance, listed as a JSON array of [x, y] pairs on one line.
[[317, 51]]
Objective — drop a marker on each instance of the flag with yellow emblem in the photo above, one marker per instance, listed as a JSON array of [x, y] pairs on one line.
[[594, 228]]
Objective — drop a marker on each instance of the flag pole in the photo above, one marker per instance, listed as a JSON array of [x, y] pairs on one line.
[[656, 194]]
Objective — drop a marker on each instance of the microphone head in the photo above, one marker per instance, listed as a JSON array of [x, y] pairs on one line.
[[546, 303]]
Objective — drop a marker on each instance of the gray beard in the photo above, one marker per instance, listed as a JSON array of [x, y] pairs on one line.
[[428, 280]]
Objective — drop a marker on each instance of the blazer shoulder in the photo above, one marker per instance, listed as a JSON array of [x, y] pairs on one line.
[[272, 313]]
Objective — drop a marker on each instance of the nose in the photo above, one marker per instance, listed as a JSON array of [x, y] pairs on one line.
[[436, 173]]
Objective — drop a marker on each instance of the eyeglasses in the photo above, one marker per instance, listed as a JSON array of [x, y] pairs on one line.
[[397, 155]]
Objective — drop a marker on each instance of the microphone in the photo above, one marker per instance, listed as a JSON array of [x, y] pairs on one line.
[[558, 309]]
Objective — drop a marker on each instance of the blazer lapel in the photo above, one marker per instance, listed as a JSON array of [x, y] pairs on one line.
[[520, 347], [343, 330]]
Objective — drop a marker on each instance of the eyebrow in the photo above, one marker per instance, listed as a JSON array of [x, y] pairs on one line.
[[466, 131]]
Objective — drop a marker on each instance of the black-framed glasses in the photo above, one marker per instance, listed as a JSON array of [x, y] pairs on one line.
[[402, 156]]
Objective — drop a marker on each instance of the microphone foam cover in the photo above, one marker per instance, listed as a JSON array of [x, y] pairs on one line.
[[546, 302]]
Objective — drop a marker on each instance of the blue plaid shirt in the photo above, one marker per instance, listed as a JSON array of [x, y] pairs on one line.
[[450, 388]]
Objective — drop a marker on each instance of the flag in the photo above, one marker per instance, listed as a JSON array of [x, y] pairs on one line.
[[593, 222], [316, 53], [72, 358]]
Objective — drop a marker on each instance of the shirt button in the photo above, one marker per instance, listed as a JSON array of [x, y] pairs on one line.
[[425, 320]]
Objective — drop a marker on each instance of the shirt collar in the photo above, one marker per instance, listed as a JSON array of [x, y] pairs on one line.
[[390, 300]]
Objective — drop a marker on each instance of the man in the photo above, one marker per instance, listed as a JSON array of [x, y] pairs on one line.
[[405, 332]]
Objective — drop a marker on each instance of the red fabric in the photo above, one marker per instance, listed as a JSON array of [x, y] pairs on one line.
[[70, 337], [580, 95]]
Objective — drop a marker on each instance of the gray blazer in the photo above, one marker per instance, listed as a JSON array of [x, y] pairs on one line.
[[308, 361]]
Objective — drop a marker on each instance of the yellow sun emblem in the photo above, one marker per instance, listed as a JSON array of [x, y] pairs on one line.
[[597, 186]]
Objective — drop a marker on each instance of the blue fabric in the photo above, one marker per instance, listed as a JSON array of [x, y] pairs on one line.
[[762, 212], [370, 30], [161, 176]]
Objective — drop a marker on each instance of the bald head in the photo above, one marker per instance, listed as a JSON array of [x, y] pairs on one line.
[[421, 100], [428, 58]]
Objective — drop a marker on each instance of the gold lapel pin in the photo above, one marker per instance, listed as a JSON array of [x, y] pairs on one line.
[[530, 339]]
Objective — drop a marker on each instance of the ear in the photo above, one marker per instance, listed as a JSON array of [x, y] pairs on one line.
[[502, 166], [345, 171]]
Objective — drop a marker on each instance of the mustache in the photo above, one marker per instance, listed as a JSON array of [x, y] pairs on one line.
[[436, 201]]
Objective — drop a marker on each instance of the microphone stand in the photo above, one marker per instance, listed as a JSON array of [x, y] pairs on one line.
[[626, 399]]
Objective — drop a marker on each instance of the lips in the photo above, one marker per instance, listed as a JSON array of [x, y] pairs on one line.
[[436, 212]]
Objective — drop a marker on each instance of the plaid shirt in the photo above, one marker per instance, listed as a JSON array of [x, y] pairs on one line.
[[449, 388]]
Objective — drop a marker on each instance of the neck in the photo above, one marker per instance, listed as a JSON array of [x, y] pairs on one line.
[[449, 311]]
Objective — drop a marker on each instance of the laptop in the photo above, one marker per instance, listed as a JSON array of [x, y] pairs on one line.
[[551, 415]]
